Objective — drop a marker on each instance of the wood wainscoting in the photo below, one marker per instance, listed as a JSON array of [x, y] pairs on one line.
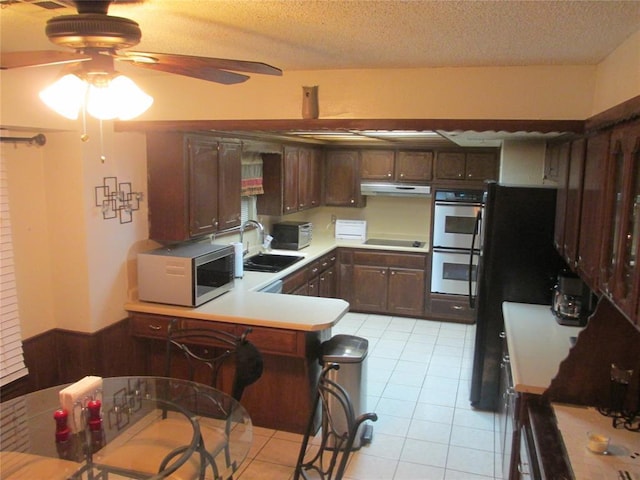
[[62, 356]]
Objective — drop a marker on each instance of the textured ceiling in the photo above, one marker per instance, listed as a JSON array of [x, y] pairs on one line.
[[350, 34], [338, 34]]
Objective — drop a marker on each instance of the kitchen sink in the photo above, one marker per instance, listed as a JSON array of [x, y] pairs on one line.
[[270, 262], [394, 243]]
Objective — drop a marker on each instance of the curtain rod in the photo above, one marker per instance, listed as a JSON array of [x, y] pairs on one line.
[[38, 139]]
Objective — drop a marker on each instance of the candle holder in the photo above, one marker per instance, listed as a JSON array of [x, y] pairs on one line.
[[618, 389]]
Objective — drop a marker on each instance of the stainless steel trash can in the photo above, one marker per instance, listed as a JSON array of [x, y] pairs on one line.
[[350, 352]]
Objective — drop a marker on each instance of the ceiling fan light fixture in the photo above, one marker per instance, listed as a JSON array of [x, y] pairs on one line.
[[105, 96], [65, 96], [119, 98]]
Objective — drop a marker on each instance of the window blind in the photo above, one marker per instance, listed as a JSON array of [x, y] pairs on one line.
[[12, 364]]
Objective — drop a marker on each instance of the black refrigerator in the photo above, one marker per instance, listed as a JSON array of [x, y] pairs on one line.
[[517, 263]]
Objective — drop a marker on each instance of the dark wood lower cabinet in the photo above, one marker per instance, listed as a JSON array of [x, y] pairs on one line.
[[319, 279], [282, 398], [452, 308], [384, 282]]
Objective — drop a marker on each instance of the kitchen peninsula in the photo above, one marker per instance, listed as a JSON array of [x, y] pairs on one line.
[[287, 329]]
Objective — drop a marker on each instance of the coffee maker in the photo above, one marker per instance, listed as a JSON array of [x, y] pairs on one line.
[[572, 300]]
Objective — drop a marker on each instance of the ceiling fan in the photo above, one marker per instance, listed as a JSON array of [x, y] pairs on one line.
[[97, 39]]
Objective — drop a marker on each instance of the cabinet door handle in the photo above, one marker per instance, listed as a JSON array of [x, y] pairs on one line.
[[457, 307], [155, 327], [352, 201]]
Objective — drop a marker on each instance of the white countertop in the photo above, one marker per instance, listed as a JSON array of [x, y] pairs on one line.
[[624, 447], [246, 305], [537, 345]]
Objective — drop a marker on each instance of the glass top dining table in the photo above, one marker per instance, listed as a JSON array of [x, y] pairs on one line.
[[126, 427]]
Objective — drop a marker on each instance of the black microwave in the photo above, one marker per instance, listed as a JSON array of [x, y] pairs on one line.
[[291, 235], [185, 274]]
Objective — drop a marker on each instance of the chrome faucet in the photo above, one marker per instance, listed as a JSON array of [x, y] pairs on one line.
[[260, 228]]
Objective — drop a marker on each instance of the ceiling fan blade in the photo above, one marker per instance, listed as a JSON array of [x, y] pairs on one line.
[[39, 58], [208, 62], [182, 65]]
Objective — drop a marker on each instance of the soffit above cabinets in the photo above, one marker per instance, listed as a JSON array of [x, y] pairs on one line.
[[391, 133], [403, 138]]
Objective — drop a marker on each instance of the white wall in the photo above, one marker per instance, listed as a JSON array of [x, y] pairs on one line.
[[564, 92], [522, 162], [618, 76]]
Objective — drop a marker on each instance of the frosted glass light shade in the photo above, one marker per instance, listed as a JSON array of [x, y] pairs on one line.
[[65, 96], [118, 97]]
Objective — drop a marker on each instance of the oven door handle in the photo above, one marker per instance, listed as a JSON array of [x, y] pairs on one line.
[[476, 232]]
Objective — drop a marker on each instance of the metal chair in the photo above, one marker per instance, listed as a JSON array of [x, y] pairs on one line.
[[203, 351], [339, 427], [212, 348]]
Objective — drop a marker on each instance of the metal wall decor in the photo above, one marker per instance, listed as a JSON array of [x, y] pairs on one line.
[[117, 200]]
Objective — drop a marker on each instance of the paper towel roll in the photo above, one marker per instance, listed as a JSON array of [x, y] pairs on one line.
[[239, 260]]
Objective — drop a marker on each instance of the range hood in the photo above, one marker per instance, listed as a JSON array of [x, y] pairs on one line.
[[395, 189]]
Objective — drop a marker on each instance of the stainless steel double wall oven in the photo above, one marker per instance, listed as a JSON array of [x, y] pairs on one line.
[[454, 224]]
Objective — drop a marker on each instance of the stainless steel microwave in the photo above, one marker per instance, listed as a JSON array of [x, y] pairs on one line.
[[291, 235], [185, 274]]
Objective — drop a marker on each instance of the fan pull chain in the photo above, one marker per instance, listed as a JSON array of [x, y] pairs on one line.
[[102, 156], [85, 136]]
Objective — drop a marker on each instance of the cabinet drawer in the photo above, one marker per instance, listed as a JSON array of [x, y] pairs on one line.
[[328, 261], [231, 328], [273, 340], [294, 281], [451, 307], [150, 326], [386, 259]]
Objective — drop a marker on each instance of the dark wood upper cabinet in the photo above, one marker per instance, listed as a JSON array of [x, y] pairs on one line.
[[574, 201], [229, 184], [309, 178], [620, 273], [203, 184], [450, 166], [292, 181], [396, 166], [560, 152], [414, 166], [377, 165], [466, 166], [591, 213], [193, 185], [342, 179]]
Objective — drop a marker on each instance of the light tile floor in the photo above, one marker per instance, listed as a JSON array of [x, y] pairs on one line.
[[418, 384]]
